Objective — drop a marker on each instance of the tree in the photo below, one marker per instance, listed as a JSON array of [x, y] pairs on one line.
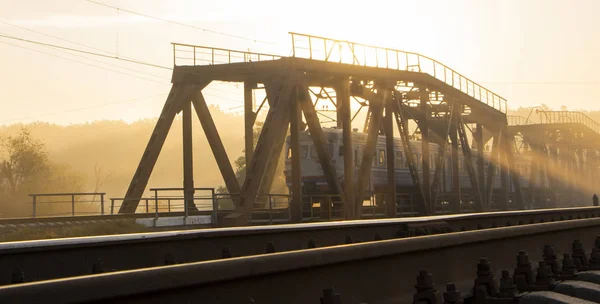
[[24, 169], [25, 163], [240, 162]]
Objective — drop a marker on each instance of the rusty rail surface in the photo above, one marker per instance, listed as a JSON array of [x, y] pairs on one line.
[[61, 258], [373, 272]]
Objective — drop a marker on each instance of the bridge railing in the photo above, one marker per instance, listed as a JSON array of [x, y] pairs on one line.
[[341, 51], [515, 120], [57, 202], [190, 55], [549, 117]]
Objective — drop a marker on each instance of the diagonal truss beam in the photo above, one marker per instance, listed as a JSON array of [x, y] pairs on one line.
[[271, 170], [178, 95], [440, 161], [319, 140], [464, 142], [376, 104], [510, 148], [402, 124], [491, 170], [216, 145], [273, 130]]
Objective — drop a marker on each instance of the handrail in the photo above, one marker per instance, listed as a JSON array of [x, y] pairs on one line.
[[34, 201], [516, 120], [204, 55], [350, 53], [548, 117]]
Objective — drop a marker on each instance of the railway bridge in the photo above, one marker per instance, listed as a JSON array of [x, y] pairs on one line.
[[396, 88]]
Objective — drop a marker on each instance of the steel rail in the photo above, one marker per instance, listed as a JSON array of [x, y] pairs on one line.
[[373, 272], [60, 258]]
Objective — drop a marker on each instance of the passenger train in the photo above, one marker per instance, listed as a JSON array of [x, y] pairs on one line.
[[314, 182]]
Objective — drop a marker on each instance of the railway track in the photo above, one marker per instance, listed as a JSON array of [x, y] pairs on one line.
[[155, 220], [382, 271], [61, 258]]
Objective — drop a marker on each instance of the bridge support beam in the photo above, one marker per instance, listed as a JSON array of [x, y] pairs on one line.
[[453, 134], [273, 131], [188, 163], [388, 123], [514, 176], [295, 121], [343, 103], [492, 165], [376, 106], [468, 159], [178, 95], [424, 127], [249, 120], [480, 164], [320, 143]]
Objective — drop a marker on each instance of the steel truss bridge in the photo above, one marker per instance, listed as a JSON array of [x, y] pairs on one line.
[[396, 88]]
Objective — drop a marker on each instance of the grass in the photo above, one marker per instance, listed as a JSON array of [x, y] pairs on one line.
[[38, 233]]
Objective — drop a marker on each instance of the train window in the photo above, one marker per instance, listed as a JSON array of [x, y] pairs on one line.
[[399, 159], [303, 152], [314, 154], [382, 159]]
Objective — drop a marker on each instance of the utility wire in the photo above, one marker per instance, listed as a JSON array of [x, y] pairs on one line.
[[181, 24], [85, 52], [81, 62], [56, 37], [80, 44]]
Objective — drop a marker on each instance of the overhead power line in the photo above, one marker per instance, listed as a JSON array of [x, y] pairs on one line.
[[81, 62], [181, 24], [85, 52], [55, 37]]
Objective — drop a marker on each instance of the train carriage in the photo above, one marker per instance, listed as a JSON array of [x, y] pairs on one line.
[[314, 182]]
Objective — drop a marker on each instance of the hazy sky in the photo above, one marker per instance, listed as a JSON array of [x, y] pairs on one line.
[[529, 52]]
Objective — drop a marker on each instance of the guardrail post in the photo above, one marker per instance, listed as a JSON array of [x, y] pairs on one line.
[[112, 205], [102, 203], [270, 209], [73, 204], [155, 208], [147, 206], [329, 206], [215, 206], [169, 204], [34, 204]]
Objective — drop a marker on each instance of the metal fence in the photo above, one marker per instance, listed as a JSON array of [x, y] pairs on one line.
[[341, 51], [190, 55], [514, 120], [54, 207], [553, 117]]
